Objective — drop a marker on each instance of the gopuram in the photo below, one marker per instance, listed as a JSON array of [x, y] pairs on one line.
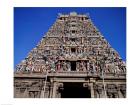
[[73, 60]]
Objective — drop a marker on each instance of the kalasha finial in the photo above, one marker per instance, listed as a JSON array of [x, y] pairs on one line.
[[73, 13]]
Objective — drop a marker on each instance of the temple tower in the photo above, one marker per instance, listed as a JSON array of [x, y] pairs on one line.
[[72, 60]]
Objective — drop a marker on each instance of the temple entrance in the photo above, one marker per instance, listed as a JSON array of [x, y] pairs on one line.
[[75, 90], [73, 65]]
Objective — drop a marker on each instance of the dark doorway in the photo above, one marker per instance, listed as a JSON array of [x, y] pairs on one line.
[[73, 65], [73, 50], [75, 90]]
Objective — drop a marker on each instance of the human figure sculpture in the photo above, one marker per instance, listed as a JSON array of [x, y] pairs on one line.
[[93, 69], [64, 66], [88, 66], [68, 67], [18, 67], [52, 66], [83, 66], [58, 66], [78, 66]]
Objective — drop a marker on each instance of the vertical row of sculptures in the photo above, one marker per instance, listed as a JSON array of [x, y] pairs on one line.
[[73, 37]]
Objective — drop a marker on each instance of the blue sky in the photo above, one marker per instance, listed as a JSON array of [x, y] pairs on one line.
[[31, 23]]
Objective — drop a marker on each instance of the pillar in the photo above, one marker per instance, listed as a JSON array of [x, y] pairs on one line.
[[90, 87], [58, 93], [120, 94], [91, 90], [51, 90], [25, 94], [54, 90]]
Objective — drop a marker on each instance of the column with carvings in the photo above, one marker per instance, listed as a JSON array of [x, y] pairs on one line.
[[54, 90], [90, 87], [59, 89], [99, 91], [91, 90], [51, 90]]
